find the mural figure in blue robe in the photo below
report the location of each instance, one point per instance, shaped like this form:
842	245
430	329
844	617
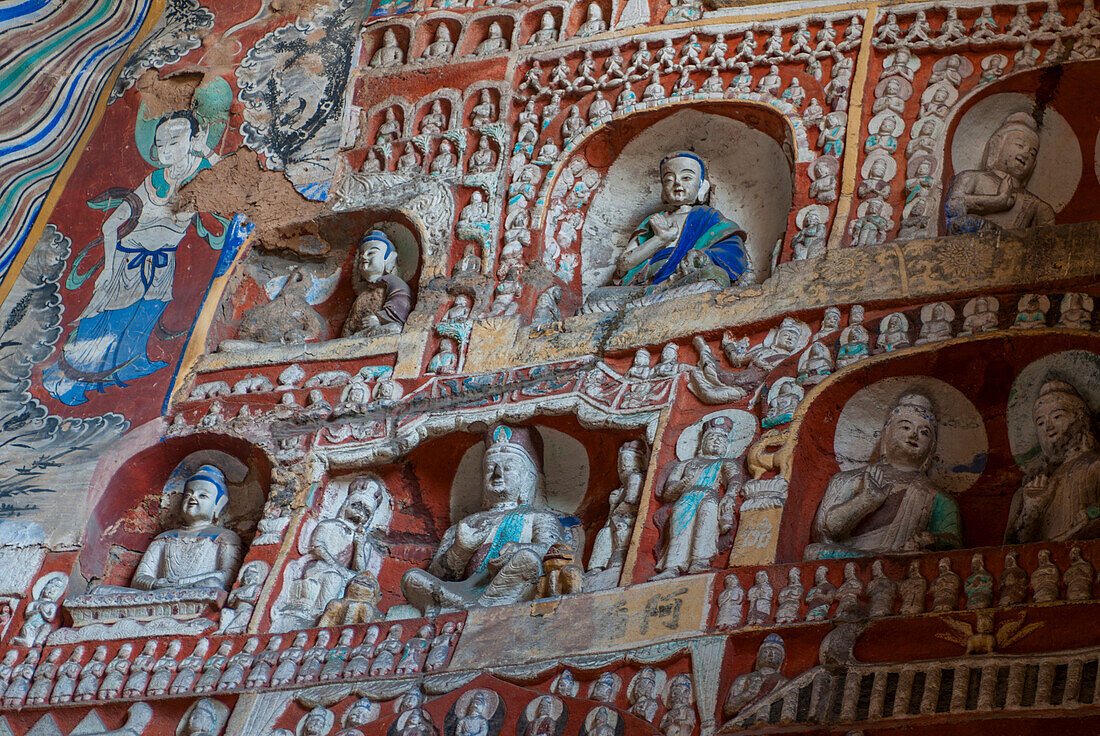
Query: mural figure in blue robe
688	239
140	237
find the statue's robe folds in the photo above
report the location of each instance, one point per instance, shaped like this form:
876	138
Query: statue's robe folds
691	533
1072	487
489	575
705	230
913	505
1026	211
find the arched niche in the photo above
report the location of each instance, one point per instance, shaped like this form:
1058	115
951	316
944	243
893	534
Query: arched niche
1066	171
425	34
978	370
749	153
325	250
141	499
439	482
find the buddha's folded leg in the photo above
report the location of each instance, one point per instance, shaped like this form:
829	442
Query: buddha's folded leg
517	580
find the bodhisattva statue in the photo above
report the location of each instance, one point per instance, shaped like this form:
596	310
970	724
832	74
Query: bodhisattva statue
996	195
384	300
688	239
494	556
1063	500
198	555
890	504
697	488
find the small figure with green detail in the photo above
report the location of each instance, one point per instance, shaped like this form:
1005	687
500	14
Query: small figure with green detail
889	505
688	240
493	557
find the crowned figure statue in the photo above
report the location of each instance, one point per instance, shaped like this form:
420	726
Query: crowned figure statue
494	556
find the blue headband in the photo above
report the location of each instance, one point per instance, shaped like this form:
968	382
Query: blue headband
379	236
686	154
213	475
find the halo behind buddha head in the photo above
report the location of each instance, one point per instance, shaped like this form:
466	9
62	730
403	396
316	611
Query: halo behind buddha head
961	446
1071	373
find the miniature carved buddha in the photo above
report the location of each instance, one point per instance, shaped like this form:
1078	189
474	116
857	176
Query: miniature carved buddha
996	196
547	32
687	236
384	300
890	504
441	47
389	54
1063	500
593	22
493	556
750	687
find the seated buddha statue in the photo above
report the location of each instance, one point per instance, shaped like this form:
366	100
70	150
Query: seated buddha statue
184	570
890	504
383	300
494	556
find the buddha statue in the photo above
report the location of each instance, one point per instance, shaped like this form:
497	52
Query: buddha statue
384	300
750	687
183	571
1062	500
199	554
996	195
688	237
494	556
890	504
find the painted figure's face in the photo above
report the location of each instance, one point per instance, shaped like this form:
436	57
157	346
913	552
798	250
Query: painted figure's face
509	477
907	440
173	141
770	657
200	501
1057	423
375	260
682	181
1017	154
713	442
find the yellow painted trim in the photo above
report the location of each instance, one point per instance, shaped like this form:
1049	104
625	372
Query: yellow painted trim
626	578
196	342
53	196
854	132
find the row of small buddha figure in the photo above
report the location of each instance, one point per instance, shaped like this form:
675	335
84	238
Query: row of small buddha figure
881	595
491	41
51	677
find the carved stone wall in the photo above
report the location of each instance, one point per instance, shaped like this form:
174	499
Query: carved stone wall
568	367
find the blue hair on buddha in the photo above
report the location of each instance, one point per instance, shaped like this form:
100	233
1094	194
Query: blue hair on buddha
381	237
211	474
686	154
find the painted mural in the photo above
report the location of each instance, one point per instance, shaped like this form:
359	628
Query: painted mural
436	368
131	265
78	43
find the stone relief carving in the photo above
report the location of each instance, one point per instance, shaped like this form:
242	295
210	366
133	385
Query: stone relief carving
919	515
484	560
184	572
996	196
